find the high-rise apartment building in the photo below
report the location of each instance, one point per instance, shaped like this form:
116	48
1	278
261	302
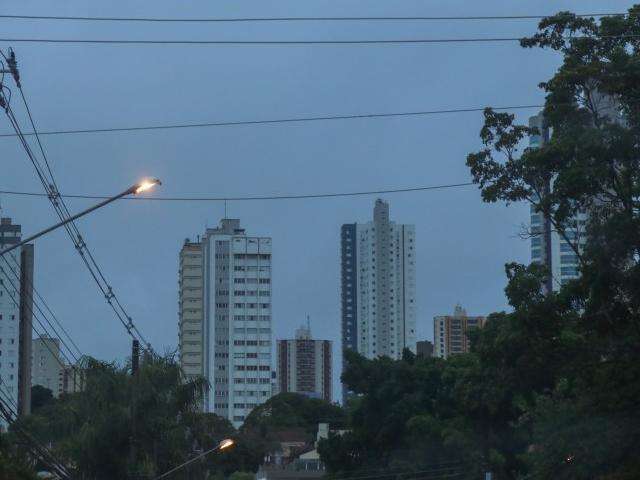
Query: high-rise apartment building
548	246
378	286
190	310
46	366
451	332
225	318
304	365
16	313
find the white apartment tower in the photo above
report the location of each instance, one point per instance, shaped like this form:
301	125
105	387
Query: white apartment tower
230	337
16	313
378	286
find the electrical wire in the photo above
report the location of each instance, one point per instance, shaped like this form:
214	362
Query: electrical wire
72	230
73	226
38	316
38	450
403	41
276	121
301	19
255	197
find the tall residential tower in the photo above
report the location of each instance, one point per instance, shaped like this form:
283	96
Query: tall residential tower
225	318
378	286
16	313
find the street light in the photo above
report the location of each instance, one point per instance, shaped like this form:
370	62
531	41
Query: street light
136	189
223	445
226	443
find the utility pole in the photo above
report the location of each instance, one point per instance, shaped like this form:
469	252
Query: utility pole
135	365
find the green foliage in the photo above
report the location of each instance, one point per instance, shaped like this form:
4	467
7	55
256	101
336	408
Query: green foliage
241	476
13	464
550	389
582	368
149	423
406	416
121	424
292	410
40	396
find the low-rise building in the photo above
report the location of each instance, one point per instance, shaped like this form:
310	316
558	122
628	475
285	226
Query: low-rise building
304	365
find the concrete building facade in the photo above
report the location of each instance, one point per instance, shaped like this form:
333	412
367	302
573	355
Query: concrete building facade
190	310
450	332
304	365
16	314
424	349
46	366
229	337
378	284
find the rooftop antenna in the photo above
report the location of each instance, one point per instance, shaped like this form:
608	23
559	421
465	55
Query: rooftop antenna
309	324
225	208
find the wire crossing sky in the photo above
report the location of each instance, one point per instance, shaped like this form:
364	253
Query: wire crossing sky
163	93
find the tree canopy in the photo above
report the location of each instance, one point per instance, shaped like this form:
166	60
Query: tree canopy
550	388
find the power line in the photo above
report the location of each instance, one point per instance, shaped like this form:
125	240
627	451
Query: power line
37	449
272	121
38	316
62	212
261	42
254	197
299	19
414	41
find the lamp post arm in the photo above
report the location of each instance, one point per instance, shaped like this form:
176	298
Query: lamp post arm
129	191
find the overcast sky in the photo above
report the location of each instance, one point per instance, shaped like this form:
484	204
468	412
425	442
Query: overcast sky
462	244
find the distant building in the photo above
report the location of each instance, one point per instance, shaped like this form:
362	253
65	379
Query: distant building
301	463
548	246
424	349
378	286
450	332
225	318
73	377
16	314
190	310
304	365
46	365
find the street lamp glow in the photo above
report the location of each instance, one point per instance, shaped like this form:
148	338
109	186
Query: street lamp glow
226	443
146	184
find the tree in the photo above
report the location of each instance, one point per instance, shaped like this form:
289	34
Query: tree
13	464
241	476
584	420
549	389
405	416
40	396
95	431
293	410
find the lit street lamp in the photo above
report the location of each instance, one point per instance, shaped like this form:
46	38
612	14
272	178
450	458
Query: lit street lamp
136	189
223	445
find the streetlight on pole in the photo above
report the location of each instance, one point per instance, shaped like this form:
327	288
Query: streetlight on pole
136	189
224	444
